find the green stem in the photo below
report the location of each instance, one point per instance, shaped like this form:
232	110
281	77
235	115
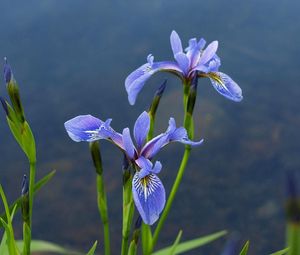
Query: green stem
171	196
293	238
102	206
128	210
27	237
188	124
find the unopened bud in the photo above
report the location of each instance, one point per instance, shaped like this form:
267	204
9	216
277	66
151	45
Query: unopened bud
7	71
156	99
96	156
13	92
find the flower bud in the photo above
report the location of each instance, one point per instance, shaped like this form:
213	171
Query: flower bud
96	156
156	99
13	92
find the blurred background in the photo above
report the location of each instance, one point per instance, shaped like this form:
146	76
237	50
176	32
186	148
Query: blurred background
72	57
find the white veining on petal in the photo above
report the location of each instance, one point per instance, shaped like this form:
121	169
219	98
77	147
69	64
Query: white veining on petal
146	186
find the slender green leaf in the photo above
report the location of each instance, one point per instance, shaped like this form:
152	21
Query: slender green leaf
281	252
172	252
192	244
37	187
293	238
44	246
92	250
244	251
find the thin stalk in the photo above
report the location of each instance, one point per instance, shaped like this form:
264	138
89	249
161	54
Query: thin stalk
27	234
128	210
188	124
102	206
101	194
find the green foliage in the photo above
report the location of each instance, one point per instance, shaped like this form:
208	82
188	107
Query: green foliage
281	252
245	249
22	133
9	231
192	244
37	186
43	246
92	250
173	249
293	238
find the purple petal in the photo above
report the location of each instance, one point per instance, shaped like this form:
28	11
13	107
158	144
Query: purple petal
183	62
147	166
175	43
127	143
141	129
208	53
157	167
149	197
136	80
152	147
226	86
179	134
214	64
84	128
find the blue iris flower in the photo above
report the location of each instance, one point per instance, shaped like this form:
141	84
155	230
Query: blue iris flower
148	190
195	59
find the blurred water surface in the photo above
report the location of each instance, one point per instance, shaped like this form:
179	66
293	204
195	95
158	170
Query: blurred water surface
72	57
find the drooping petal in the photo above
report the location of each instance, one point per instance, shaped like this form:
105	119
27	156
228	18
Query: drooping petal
179	134
141	129
84	128
107	131
136	80
175	43
183	62
149	197
208	53
226	86
127	143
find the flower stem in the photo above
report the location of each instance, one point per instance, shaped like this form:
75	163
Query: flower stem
101	194
27	234
188	124
171	196
128	210
102	206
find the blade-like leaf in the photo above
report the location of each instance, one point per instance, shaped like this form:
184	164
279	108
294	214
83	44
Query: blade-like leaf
244	251
172	252
192	244
92	250
44	246
281	252
37	187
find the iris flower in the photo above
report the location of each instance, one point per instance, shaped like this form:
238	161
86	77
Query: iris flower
148	190
195	59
